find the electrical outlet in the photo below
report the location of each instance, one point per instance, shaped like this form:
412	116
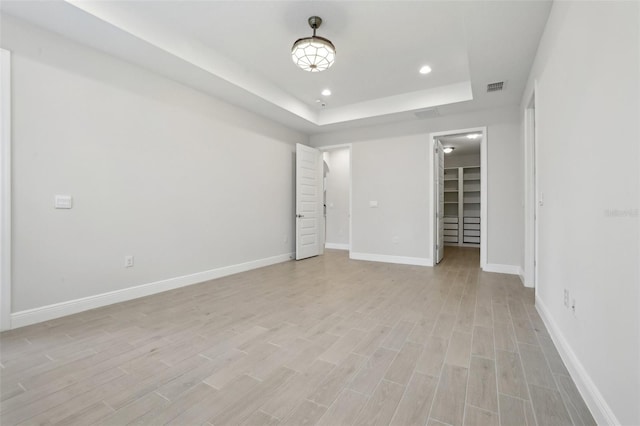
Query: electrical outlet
566	298
128	261
573	306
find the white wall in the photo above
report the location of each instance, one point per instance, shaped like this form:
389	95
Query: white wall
505	195
393	173
181	181
389	165
338	179
587	106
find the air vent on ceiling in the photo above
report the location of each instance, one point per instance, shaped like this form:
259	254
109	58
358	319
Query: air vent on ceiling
495	87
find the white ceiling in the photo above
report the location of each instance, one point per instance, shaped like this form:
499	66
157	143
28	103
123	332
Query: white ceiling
240	51
462	144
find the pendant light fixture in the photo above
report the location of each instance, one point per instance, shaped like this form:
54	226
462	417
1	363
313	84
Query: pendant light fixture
315	53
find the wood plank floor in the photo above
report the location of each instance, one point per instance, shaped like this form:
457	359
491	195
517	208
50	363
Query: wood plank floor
325	341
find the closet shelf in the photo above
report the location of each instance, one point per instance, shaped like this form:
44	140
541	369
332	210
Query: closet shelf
462	217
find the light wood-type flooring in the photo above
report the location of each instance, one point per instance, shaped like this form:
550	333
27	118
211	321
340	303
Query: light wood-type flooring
326	341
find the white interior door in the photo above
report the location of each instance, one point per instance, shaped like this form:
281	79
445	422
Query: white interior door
309	211
439	175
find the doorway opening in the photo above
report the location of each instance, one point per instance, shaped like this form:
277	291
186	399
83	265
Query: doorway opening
337	197
323	199
459	193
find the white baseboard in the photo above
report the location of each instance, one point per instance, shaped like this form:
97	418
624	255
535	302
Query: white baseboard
501	269
418	261
57	310
600	410
523	278
336	246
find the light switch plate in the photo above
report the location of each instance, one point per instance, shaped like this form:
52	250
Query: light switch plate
373	204
63	202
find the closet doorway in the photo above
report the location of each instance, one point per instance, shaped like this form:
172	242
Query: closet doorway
459	192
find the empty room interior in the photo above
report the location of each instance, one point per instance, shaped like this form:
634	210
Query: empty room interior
320	212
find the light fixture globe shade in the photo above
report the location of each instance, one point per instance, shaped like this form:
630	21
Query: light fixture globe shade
313	54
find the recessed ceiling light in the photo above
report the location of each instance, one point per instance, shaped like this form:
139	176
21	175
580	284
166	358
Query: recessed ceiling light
326	92
473	136
426	69
448	149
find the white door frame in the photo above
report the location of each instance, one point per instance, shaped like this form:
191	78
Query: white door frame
438	183
349	147
433	223
5	189
530	273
